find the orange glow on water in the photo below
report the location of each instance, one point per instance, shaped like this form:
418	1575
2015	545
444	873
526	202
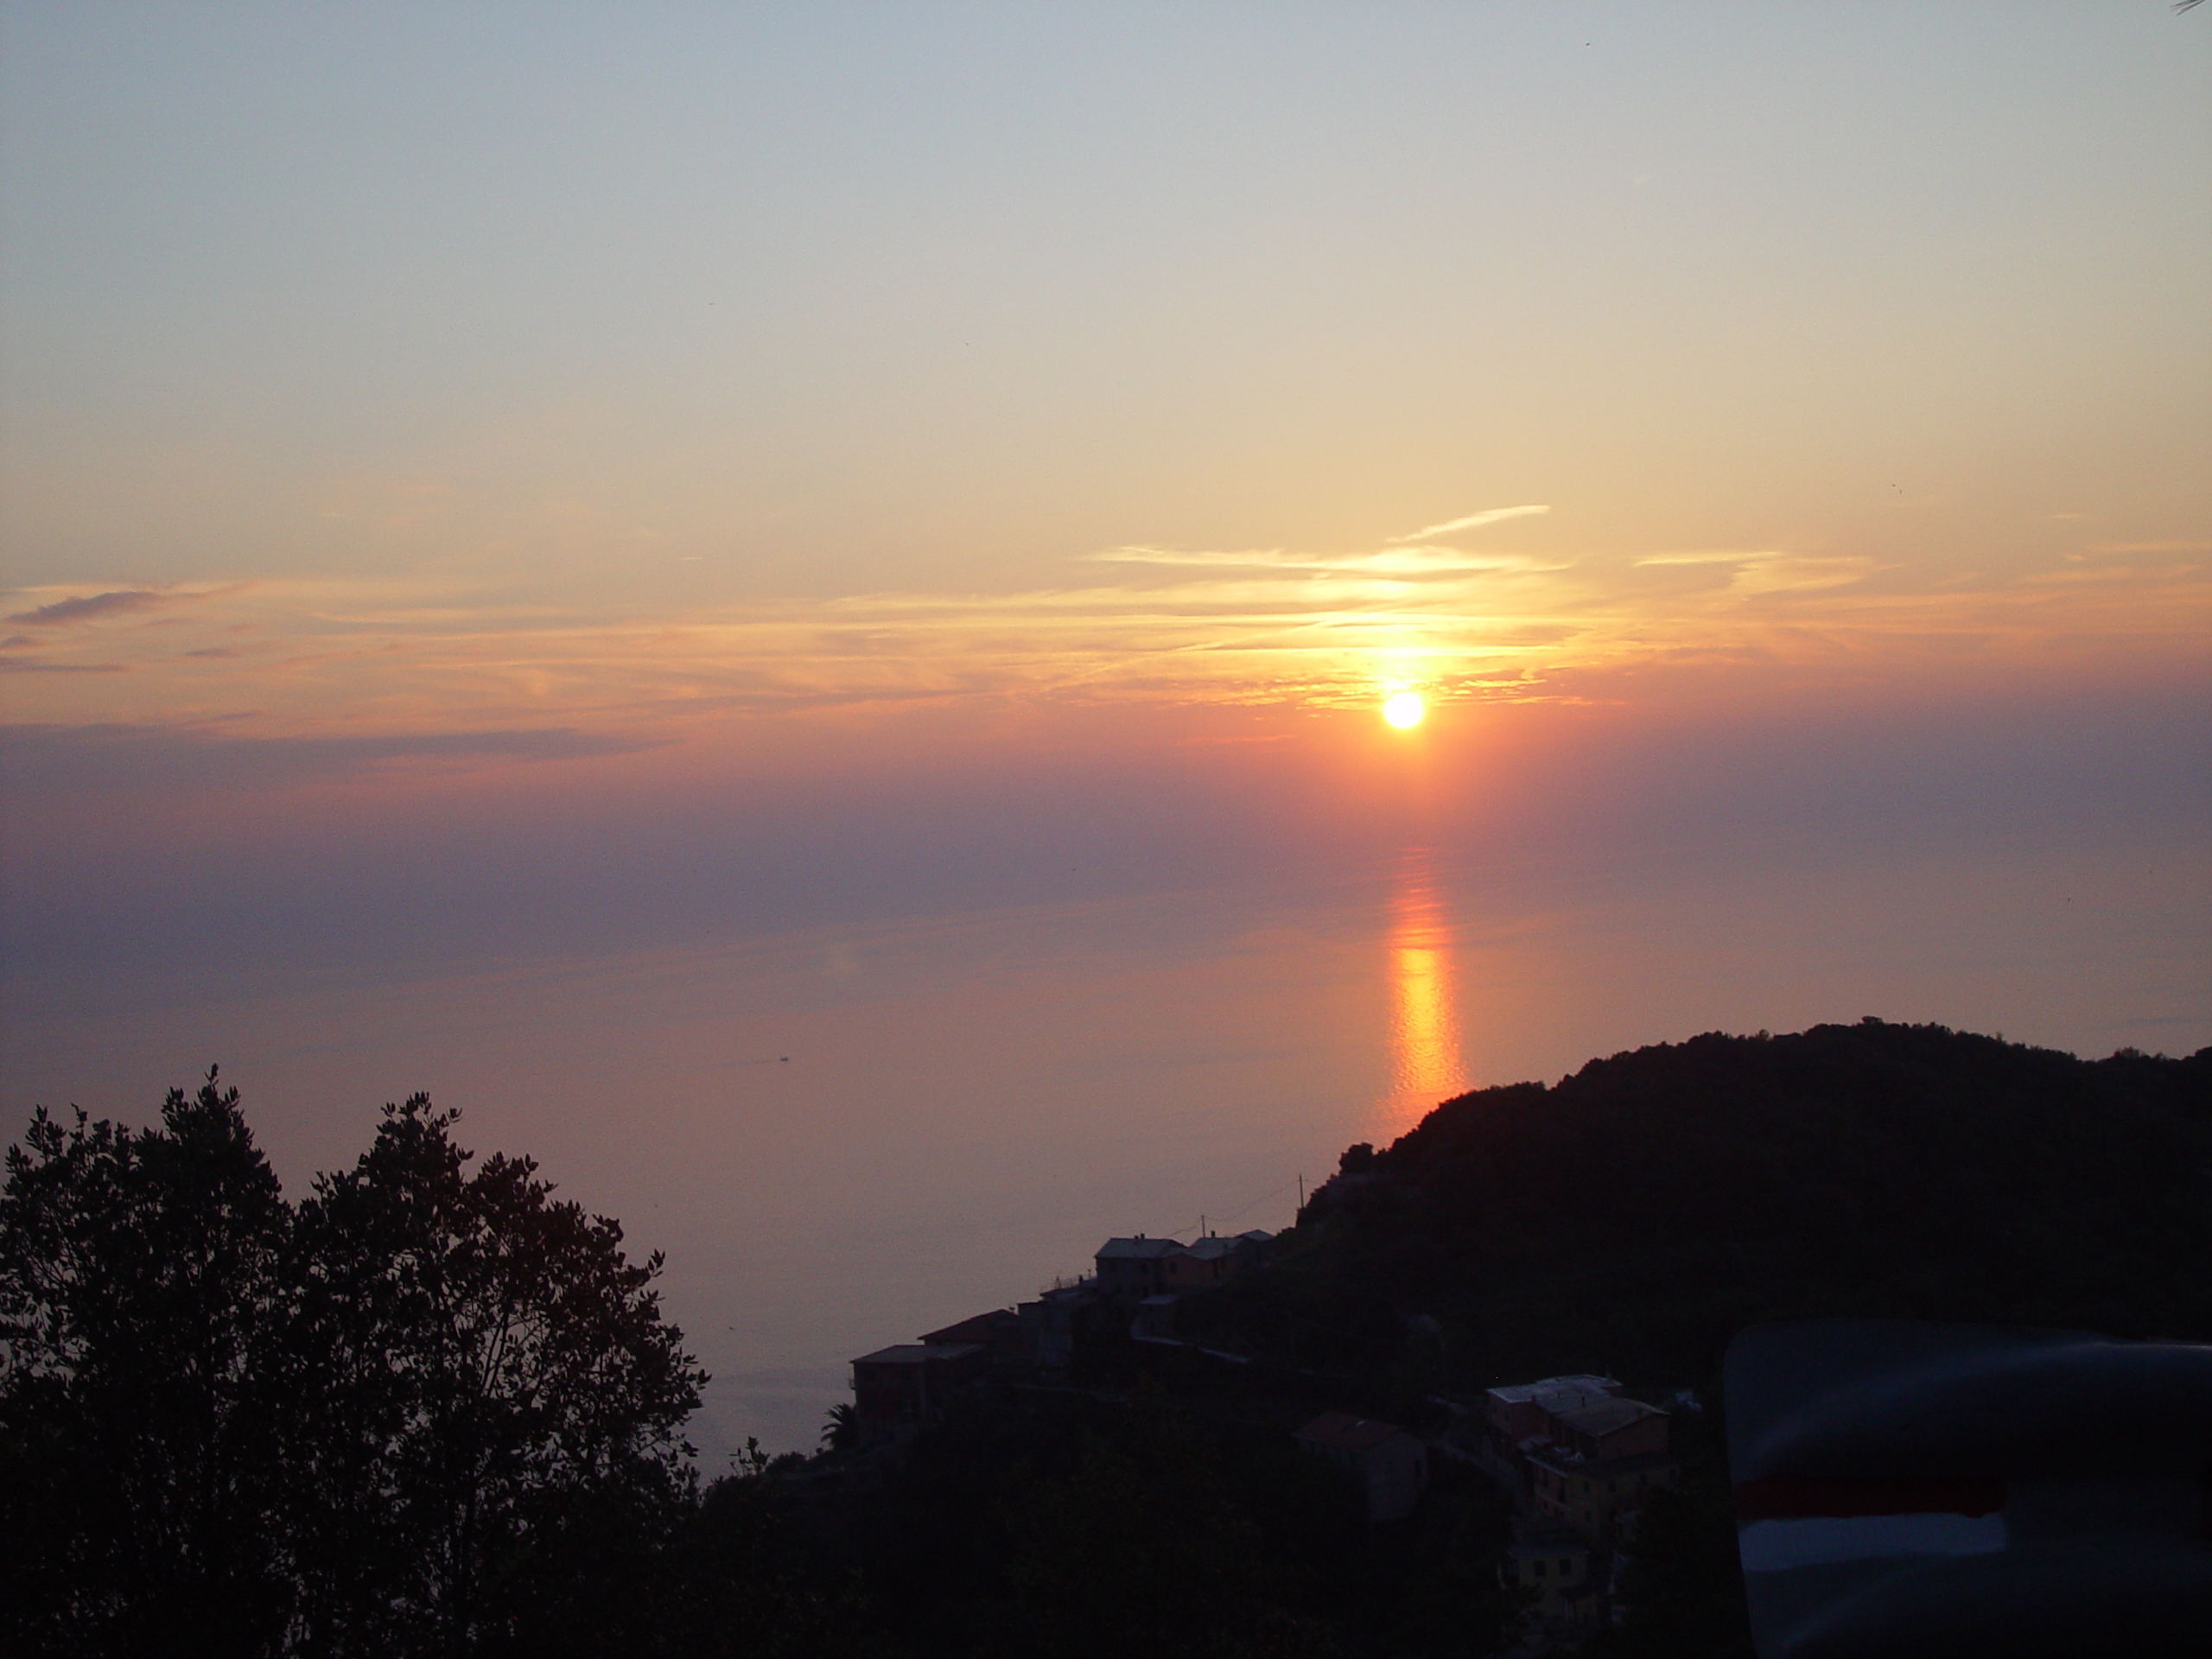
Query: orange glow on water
1424	1039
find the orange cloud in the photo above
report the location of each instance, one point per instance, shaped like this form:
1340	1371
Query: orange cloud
1237	626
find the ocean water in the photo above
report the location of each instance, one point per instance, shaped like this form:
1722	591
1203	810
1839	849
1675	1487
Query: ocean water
843	1137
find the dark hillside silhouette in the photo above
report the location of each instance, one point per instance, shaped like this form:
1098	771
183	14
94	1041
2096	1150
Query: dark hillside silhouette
1632	1217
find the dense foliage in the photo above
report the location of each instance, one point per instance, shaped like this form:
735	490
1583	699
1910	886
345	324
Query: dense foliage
141	1287
364	1424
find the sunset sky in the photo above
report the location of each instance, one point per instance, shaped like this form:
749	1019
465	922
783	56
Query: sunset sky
514	489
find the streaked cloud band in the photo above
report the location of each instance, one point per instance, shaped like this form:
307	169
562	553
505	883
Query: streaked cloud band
1472	521
327	657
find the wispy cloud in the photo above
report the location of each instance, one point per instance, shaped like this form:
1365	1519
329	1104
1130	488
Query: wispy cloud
155	754
1769	571
1802	573
1235	626
1216	556
1706	556
1394	560
84	609
1473	520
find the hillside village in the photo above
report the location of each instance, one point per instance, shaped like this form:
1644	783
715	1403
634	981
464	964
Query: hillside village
1572	1455
1426	1332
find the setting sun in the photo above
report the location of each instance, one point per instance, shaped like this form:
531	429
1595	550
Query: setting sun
1403	710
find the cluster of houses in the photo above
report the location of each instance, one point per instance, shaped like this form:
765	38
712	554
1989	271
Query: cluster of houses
1580	1459
1577	1457
896	1390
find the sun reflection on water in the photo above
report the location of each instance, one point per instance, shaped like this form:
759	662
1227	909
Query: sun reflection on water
1424	1045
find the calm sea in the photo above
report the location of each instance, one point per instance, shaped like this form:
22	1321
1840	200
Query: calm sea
844	1138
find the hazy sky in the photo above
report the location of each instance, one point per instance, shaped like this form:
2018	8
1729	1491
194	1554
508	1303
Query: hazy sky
471	467
561	554
412	368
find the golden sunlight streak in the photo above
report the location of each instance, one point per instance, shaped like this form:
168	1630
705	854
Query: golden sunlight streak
1423	1054
1403	710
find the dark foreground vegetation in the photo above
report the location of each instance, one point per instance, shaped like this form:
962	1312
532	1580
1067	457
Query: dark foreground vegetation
428	1409
389	1418
1634	1217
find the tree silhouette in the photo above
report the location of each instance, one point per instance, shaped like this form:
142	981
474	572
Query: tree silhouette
140	1300
364	1425
476	1356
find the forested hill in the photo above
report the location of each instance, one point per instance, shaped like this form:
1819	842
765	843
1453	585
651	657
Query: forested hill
1630	1218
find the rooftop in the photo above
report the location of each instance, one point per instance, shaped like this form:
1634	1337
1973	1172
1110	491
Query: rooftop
1605	1416
983	1328
1347	1432
1139	1249
1210	1248
1514	1394
918	1353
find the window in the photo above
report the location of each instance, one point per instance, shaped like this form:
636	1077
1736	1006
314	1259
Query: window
1541	1567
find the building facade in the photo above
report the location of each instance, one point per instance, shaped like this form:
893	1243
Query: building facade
1130	1269
1555	1567
1390	1466
898	1391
